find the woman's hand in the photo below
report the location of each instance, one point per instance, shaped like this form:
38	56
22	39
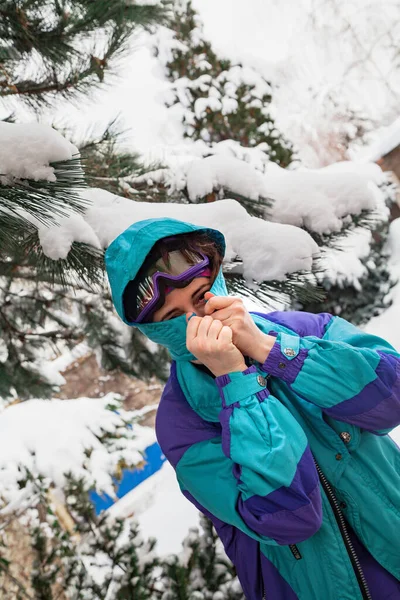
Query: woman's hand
211	342
246	336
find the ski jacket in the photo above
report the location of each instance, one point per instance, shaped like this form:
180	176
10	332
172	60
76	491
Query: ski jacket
290	459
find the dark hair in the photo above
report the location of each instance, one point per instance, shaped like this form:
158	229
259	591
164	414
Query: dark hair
196	240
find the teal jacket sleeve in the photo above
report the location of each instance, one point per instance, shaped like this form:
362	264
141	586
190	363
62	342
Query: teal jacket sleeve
259	474
352	375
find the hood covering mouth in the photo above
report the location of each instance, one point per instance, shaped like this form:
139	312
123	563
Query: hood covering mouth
124	257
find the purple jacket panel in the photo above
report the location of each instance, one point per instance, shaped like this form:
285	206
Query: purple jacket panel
276	587
303	323
178	426
255	571
375	407
295	508
243	551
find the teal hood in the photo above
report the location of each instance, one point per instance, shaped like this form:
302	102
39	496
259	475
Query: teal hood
124	257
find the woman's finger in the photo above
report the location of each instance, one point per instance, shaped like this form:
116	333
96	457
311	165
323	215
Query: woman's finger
223	315
215	329
218	302
225	335
204	326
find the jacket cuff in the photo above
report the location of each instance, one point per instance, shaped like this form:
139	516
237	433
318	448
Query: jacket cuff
285	359
239	385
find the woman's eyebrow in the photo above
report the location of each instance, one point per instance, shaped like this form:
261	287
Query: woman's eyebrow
193	295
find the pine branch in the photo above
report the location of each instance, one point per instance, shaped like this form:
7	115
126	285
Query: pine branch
83	267
366	219
295	287
60	41
44	200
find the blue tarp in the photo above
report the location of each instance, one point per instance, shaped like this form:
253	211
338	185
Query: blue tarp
131	478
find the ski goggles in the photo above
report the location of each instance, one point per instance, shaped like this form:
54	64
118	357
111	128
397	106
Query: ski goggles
175	270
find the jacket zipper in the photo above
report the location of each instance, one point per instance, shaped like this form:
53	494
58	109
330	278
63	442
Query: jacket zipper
343	530
347	541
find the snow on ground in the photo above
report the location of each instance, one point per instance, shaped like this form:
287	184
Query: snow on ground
161	510
51	438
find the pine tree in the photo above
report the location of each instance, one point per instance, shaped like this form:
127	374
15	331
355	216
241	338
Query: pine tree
359	298
221	103
202	570
76	555
60	38
70	553
220	100
59	43
64	559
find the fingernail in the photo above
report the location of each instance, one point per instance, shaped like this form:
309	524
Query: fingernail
192	315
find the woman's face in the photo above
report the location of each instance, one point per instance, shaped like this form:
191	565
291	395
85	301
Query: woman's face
183	300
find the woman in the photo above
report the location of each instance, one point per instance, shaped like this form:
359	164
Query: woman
276	423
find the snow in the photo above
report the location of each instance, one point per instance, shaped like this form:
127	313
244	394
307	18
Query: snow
319	200
317	82
296	247
160	509
26	150
369	170
222	89
281	248
50	438
67	358
215	172
56	240
387	325
342	265
293	45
